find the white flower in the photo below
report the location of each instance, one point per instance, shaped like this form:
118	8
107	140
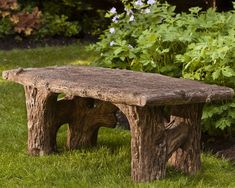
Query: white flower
132	18
112	30
115	19
111	43
139	3
128	11
113	10
151	2
147	11
130	46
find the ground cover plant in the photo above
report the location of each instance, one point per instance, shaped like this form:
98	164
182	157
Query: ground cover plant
198	45
107	165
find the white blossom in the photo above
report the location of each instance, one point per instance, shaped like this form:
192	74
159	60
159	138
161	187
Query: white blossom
128	11
115	19
147	11
113	10
139	3
111	43
151	2
130	46
112	30
132	18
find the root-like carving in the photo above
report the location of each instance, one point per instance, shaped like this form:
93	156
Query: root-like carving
45	116
183	137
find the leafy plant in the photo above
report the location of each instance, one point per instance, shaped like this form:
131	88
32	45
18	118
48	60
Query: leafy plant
57	25
15	20
27	22
88	18
5	27
198	45
61	17
212	59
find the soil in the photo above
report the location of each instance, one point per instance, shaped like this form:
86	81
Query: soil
220	146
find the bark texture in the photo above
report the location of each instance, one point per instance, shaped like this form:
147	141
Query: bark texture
187	156
45	116
119	86
87	116
148	142
41	115
153	141
88	105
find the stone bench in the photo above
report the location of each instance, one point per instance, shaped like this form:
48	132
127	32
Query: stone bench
92	97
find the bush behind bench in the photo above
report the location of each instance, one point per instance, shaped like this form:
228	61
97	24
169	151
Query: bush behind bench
199	45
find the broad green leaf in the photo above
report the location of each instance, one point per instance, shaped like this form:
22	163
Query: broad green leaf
232	104
216	74
108	15
232	114
122	58
210	111
223	123
118	51
195	10
228	72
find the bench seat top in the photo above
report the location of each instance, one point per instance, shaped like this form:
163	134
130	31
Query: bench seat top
119	86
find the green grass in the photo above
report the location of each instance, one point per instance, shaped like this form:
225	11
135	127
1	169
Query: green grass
107	165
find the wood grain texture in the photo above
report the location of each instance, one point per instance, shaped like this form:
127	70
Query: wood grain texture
148	142
93	95
186	157
41	116
119	86
154	141
86	117
46	114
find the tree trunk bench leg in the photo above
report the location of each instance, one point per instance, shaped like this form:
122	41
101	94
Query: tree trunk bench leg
187	156
87	117
40	106
148	142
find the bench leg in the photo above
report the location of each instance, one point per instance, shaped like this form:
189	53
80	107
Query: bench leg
87	117
187	157
40	106
148	142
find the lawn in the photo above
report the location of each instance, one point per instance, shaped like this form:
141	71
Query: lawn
107	165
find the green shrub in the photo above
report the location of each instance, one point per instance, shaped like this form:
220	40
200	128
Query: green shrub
52	25
89	18
17	21
6	27
49	18
197	45
77	17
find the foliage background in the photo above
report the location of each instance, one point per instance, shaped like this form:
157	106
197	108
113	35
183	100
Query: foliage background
198	45
52	18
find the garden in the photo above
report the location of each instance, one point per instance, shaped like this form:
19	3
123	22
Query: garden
191	42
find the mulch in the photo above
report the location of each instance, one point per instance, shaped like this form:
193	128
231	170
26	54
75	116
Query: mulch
222	147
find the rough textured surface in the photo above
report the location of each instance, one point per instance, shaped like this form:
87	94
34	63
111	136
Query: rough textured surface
46	114
86	117
41	115
92	97
187	155
119	86
155	141
148	142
